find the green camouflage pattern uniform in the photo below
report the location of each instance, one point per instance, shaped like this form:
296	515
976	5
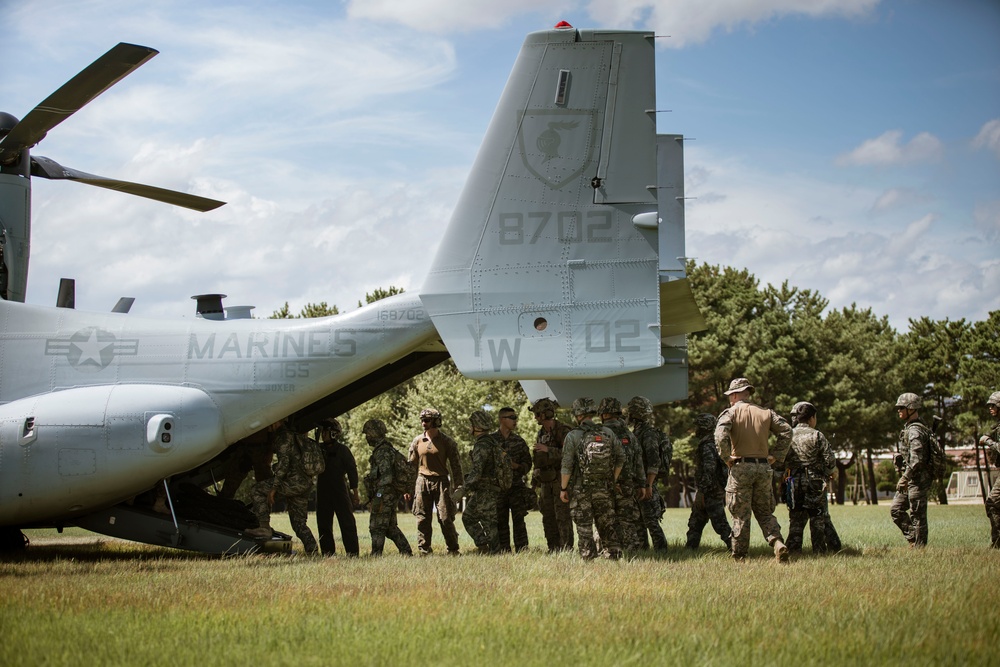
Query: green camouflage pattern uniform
909	505
992	442
290	481
519	499
592	504
556	519
810	462
648	438
748	489
482	493
710	476
628	515
382	521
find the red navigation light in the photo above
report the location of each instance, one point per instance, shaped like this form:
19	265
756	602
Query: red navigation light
563	25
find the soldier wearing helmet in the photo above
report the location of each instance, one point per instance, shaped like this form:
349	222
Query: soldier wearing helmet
991	443
546	456
382	494
334	497
710	475
742	437
653	444
518	500
592	462
435	452
909	505
809	464
631	485
482	484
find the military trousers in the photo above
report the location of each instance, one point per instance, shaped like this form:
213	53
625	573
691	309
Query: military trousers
748	491
628	518
993	511
382	523
333	498
595	508
909	513
479	519
708	506
557	521
297	504
510	513
433	492
810	507
652	512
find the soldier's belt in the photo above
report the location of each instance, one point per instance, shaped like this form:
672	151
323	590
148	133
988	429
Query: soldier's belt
749	459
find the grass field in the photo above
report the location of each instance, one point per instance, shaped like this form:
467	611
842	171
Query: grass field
877	602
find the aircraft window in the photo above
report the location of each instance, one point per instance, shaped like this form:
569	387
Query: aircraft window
29	426
540	324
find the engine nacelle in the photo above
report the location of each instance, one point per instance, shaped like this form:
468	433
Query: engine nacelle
73	451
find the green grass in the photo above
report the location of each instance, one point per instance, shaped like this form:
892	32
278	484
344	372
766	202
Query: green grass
878	602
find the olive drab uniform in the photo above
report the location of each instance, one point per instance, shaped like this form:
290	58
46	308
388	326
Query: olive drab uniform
384	497
909	505
628	515
647	437
519	499
992	443
482	491
291	481
809	464
591	495
557	521
710	475
433	490
742	432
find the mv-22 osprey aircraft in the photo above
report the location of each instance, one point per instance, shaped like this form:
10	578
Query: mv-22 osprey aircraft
562	267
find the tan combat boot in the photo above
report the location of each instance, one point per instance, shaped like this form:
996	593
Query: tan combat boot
262	532
780	551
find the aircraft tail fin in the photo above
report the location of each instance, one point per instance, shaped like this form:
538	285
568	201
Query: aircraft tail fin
571	218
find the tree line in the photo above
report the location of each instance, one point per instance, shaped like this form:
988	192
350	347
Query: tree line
849	362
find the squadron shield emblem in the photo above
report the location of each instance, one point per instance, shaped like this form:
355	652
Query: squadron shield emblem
556	145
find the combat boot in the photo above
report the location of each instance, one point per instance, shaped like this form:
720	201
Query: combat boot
780	551
262	532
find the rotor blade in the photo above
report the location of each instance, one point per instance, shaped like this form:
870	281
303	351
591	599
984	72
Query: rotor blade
44	167
93	80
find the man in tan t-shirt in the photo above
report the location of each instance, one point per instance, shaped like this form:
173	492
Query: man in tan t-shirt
742	437
433	450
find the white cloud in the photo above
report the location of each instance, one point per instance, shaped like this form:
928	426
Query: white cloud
887	149
897	198
988	137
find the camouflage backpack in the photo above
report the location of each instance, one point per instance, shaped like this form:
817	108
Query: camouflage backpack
596	457
404	473
313	461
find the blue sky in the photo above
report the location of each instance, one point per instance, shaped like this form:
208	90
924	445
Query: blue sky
851	147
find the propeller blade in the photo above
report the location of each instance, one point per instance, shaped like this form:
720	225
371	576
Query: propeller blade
93	80
124	304
67	293
44	167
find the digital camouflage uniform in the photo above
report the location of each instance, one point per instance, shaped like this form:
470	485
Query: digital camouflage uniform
519	499
592	501
742	431
556	520
384	499
628	515
809	463
909	505
482	490
435	455
992	444
710	475
289	480
648	438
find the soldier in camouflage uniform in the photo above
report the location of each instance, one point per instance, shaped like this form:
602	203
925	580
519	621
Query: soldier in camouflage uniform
810	462
710	476
647	436
383	496
909	505
591	496
547	454
742	437
291	481
481	486
519	499
434	451
991	443
632	481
